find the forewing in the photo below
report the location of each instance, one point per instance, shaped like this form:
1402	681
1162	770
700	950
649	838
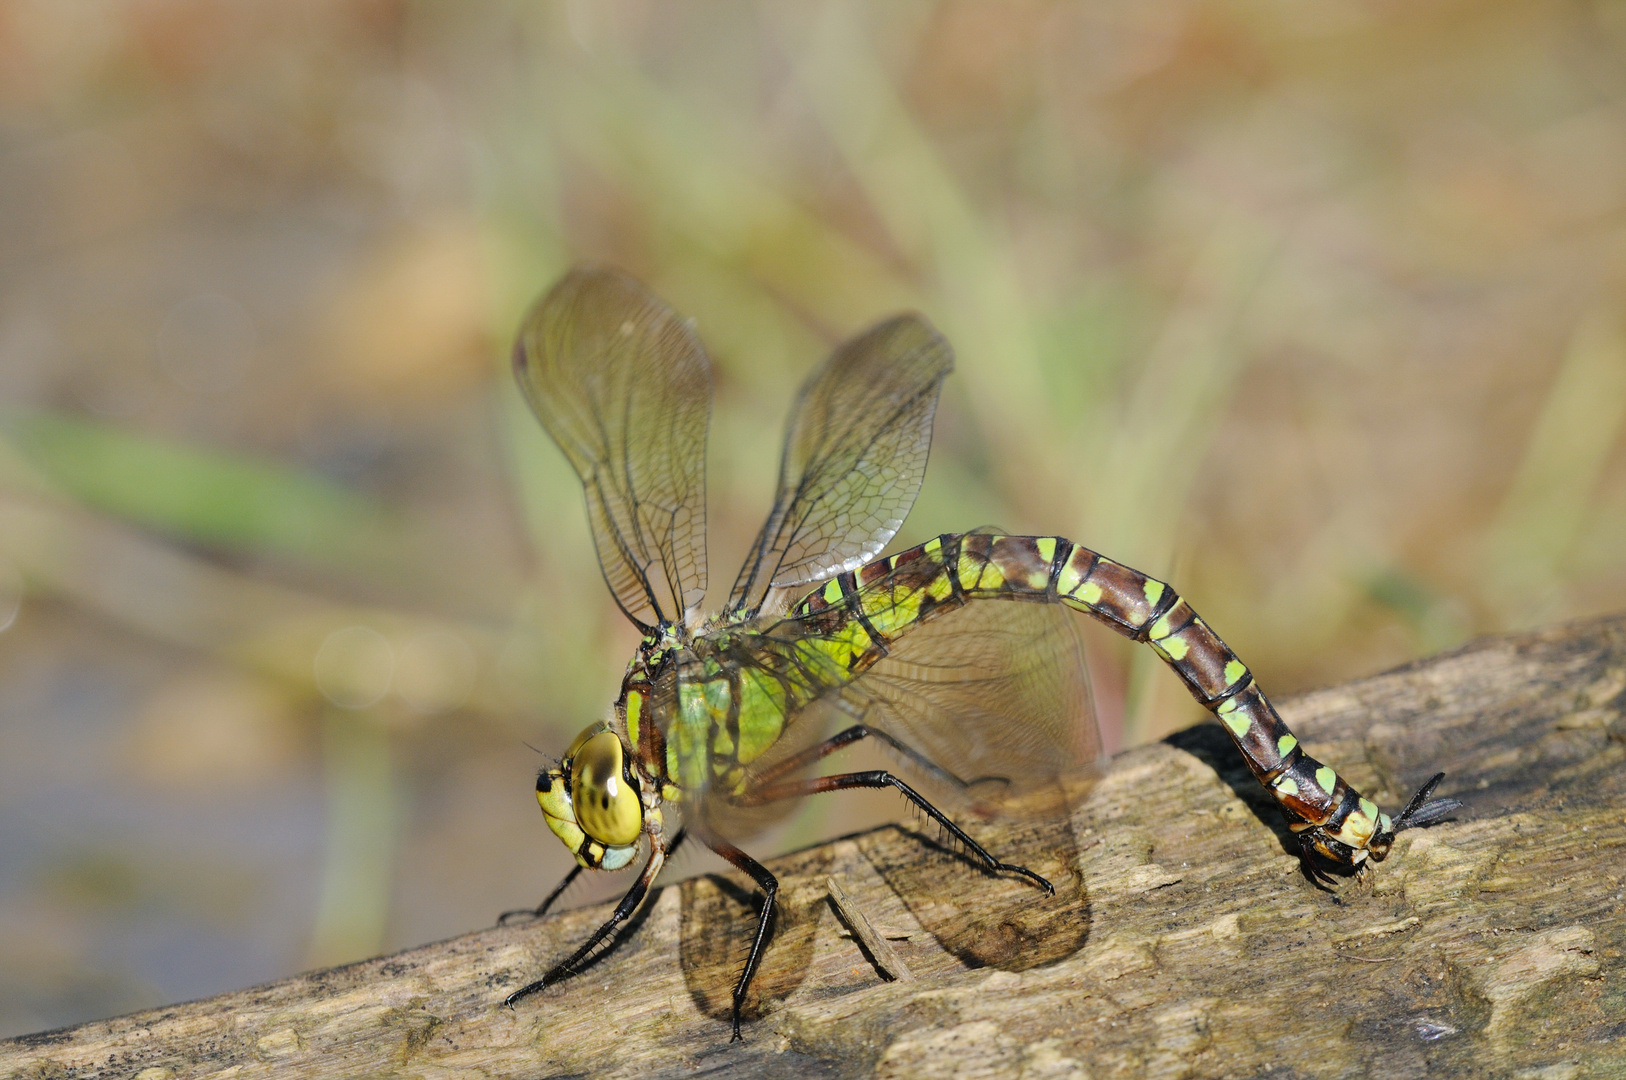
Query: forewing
855	454
624	388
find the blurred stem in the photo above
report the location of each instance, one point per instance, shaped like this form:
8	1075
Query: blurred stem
1151	455
208	495
157	589
1546	506
362	818
713	194
957	246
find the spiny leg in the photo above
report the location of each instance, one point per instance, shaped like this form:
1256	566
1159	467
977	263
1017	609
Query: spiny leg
559	889
1312	865
843	739
770	890
628	907
880	778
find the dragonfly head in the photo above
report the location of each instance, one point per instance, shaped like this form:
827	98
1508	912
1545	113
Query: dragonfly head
591	801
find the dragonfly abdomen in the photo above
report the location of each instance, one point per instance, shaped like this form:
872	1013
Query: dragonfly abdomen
863	611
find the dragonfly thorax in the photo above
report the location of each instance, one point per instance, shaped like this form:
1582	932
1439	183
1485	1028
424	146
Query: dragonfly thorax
657	647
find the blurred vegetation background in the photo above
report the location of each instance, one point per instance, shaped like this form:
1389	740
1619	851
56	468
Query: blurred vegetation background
1315	310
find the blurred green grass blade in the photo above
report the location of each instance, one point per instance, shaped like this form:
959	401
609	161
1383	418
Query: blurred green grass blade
363	826
957	245
1546	508
203	495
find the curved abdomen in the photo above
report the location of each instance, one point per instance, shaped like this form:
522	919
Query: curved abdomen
870	607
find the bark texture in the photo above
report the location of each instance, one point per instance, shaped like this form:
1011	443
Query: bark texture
1183	941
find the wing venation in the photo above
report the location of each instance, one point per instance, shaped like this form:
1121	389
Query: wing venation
624	388
854	457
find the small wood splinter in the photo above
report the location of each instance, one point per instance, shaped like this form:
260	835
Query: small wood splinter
886	959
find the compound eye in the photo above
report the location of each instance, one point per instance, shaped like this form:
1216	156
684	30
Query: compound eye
607	806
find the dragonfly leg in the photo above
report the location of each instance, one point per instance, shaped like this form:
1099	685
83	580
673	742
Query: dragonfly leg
547	902
770	890
558	890
880	778
838	741
625	910
843	739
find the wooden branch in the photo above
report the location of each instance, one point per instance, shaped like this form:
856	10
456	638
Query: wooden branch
1490	945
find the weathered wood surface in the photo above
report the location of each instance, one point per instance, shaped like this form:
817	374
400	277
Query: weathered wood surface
1488	946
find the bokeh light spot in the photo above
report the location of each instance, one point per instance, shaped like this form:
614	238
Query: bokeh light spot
354	667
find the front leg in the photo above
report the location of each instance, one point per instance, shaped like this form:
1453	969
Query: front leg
583	956
547	901
558	890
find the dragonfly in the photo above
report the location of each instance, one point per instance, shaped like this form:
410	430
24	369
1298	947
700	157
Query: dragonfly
957	656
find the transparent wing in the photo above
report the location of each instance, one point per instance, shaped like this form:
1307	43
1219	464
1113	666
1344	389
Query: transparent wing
987	703
855	454
624	388
996	694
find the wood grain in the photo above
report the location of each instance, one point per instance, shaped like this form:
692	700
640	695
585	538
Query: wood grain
1183	941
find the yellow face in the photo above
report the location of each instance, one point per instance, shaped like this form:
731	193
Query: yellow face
591	801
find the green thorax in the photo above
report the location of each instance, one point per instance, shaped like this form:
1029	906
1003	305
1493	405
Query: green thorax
699	710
